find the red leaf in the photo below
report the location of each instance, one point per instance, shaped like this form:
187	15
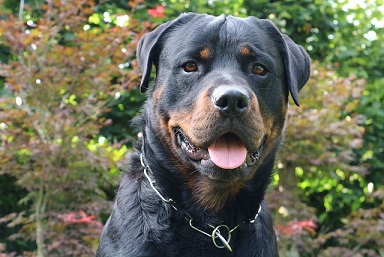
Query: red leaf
80	217
297	227
157	12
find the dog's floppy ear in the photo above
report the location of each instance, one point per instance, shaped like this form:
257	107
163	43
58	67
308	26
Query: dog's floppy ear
147	50
149	47
297	67
296	61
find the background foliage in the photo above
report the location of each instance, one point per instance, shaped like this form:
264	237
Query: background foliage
68	79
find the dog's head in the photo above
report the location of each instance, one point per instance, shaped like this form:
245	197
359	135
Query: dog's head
220	97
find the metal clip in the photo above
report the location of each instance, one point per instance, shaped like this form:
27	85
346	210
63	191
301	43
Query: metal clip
217	234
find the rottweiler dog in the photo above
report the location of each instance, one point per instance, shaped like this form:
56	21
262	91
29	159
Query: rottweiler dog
211	126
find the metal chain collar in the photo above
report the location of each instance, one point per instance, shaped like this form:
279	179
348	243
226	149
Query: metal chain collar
218	232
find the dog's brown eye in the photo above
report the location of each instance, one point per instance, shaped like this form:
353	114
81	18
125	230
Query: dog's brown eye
259	69
190	67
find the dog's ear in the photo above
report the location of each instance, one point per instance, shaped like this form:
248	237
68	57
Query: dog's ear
147	50
296	60
149	47
297	66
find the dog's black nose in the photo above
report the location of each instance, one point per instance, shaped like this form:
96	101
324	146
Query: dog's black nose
231	101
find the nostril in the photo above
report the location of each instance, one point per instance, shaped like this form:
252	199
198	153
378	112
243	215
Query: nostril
222	102
242	104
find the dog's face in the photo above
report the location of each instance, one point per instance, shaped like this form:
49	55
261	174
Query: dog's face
220	97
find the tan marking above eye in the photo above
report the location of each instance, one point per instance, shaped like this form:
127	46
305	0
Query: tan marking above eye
245	51
205	53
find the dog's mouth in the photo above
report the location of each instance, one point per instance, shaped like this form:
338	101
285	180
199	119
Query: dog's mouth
227	152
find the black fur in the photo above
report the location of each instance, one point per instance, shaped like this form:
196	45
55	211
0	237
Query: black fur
141	224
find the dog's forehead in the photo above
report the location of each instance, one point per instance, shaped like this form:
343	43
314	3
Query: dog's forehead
220	32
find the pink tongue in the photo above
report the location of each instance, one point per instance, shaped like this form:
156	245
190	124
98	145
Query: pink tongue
228	152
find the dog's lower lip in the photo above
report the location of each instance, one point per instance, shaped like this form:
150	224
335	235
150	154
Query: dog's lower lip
193	152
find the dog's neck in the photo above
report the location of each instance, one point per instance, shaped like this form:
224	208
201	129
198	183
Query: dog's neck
221	234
